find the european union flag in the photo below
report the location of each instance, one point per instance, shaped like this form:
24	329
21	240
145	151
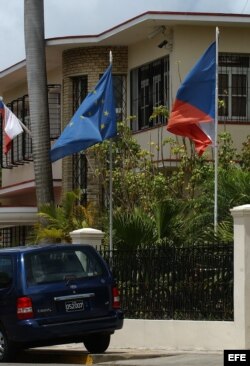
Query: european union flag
93	122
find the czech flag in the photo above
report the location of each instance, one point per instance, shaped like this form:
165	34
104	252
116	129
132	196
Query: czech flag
193	112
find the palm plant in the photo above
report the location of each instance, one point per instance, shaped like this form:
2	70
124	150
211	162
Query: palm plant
233	190
168	215
61	220
223	233
133	230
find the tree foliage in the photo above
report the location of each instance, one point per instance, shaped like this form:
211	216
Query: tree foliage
137	182
153	205
61	220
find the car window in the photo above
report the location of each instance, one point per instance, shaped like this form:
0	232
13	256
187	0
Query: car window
54	265
6	271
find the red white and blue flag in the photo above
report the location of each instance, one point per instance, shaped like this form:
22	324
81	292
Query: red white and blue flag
193	112
11	126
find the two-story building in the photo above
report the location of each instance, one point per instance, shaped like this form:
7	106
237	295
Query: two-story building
151	55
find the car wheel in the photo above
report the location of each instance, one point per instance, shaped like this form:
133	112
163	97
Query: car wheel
5	348
97	343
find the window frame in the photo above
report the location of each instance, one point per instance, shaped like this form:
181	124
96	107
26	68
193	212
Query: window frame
233	66
21	150
149	88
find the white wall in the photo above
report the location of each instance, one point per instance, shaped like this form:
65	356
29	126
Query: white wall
178	335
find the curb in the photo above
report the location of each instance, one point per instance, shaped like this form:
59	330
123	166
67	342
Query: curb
82	357
56	356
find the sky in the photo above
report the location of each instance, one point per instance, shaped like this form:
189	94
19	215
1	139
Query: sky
84	17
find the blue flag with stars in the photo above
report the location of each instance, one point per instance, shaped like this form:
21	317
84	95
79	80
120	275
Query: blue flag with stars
93	122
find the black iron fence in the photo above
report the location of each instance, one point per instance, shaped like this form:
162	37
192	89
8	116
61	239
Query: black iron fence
193	283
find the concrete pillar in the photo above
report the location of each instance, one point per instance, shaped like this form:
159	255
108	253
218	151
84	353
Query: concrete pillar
241	216
88	236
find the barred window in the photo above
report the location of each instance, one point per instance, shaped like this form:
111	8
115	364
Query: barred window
54	100
21	150
79	87
149	88
79	170
15	236
119	85
233	91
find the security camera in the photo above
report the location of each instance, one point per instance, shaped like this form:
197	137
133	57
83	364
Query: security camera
163	43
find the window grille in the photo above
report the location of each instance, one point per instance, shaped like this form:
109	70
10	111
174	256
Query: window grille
54	100
149	89
21	151
80	175
79	170
14	236
80	87
233	90
26	136
119	85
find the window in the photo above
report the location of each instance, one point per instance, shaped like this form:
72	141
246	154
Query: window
149	88
234	78
80	88
79	175
6	271
79	170
119	86
60	265
21	150
54	100
15	236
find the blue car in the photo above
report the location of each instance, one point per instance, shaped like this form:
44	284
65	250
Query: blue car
55	294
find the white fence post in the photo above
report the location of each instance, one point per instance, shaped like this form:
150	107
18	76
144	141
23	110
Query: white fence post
88	236
241	216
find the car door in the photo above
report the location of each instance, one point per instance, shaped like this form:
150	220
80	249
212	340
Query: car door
7	293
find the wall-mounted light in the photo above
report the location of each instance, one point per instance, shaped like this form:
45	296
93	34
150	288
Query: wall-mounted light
167	32
163	43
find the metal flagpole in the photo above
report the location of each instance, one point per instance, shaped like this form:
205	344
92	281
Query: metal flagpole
216	135
25	128
110	199
110	186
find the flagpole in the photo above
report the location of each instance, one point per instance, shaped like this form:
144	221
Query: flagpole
25	128
216	135
110	199
110	186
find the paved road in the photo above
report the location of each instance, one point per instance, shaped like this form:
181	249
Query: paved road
130	357
173	360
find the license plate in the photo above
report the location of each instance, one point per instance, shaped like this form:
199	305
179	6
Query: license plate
74	305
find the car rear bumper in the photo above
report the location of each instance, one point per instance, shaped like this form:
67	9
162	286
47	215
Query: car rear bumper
32	331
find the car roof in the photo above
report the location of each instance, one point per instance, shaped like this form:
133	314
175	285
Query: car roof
32	248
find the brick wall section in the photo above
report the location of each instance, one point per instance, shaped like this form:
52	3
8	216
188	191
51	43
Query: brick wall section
90	61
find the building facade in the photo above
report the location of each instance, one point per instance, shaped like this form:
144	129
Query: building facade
152	53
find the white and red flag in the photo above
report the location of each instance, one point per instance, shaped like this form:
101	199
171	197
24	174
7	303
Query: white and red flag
11	126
